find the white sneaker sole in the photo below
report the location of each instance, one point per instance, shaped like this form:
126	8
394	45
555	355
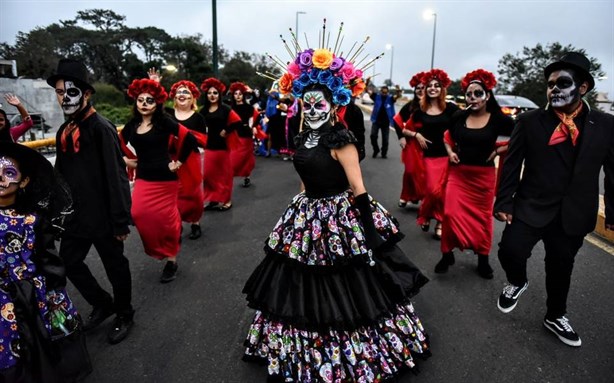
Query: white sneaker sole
568	342
507	310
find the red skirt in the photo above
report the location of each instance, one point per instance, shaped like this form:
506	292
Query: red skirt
468	221
191	196
413	175
242	158
217	176
435	169
156	217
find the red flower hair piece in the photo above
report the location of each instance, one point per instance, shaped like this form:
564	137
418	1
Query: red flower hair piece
481	76
439	75
417	79
186	84
237	86
145	85
213	82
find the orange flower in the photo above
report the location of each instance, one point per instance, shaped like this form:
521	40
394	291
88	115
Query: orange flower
358	87
285	83
322	58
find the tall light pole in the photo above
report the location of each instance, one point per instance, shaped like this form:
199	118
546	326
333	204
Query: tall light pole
391	48
296	30
427	15
214	42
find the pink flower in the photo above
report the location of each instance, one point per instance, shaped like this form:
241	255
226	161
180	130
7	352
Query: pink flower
347	71
294	69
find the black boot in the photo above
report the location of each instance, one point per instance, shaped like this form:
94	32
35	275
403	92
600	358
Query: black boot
195	231
169	273
484	268
447	260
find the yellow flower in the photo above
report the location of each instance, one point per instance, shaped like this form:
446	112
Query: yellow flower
322	58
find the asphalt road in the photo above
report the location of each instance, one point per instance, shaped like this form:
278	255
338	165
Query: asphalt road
192	329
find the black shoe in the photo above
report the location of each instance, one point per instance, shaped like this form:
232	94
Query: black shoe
509	297
120	328
484	269
96	317
195	231
213	206
425	228
246	182
447	260
563	330
402	203
384	155
375	153
169	273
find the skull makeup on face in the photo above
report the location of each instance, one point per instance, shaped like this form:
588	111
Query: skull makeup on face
69	96
562	89
316	109
9	172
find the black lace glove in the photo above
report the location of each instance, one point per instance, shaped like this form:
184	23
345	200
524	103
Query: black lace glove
373	239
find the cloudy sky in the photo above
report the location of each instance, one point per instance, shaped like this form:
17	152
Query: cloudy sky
470	34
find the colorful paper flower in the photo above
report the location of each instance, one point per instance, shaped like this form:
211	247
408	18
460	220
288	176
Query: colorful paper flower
322	58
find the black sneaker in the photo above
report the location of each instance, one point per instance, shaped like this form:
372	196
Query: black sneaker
169	273
509	297
563	330
120	328
195	231
96	317
246	182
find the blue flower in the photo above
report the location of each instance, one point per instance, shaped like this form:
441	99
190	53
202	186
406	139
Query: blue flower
335	83
324	77
342	96
297	88
313	75
303	79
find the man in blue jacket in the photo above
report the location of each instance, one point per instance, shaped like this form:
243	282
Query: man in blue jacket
381	118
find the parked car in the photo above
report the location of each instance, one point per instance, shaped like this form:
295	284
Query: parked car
514	105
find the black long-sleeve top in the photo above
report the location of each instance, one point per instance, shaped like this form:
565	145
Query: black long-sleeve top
245	111
474	146
433	128
97	178
216	122
152	148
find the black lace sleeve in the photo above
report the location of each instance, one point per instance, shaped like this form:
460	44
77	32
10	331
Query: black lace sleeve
338	136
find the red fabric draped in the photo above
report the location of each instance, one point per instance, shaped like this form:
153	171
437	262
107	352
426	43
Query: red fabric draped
413	188
128	153
156	217
217	176
436	169
469	198
242	158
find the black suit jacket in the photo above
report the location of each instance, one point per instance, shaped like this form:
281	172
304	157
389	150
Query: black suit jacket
552	181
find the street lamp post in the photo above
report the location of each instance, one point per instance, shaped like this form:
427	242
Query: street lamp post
427	15
391	48
296	30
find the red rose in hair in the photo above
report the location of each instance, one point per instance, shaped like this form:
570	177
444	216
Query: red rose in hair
439	75
186	84
237	86
213	82
417	79
481	76
145	85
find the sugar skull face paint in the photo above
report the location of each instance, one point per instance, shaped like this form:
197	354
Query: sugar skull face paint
146	104
70	97
316	109
9	172
562	89
476	97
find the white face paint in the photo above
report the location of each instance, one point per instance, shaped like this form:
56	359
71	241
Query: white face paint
562	89
69	96
476	97
316	109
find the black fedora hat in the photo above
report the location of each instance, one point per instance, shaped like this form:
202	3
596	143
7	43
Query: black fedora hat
576	61
73	70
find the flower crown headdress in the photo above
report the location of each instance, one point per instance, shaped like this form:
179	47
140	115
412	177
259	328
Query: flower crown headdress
237	86
481	76
186	84
417	79
340	73
145	85
213	82
439	75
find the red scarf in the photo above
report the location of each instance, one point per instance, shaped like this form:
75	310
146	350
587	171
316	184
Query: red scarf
566	128
72	130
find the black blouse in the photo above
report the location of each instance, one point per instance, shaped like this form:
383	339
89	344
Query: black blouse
216	122
245	111
433	128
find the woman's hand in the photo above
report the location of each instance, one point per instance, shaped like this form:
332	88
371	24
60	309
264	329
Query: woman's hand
453	158
154	74
131	164
173	166
423	142
223	133
402	142
12	99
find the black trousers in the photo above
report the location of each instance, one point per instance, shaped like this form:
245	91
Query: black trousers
384	128
73	251
515	248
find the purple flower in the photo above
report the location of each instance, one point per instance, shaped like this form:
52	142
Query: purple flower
304	59
337	64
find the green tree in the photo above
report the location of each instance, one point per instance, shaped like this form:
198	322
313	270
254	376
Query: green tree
523	74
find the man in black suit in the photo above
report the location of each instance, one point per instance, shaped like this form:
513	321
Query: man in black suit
563	147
